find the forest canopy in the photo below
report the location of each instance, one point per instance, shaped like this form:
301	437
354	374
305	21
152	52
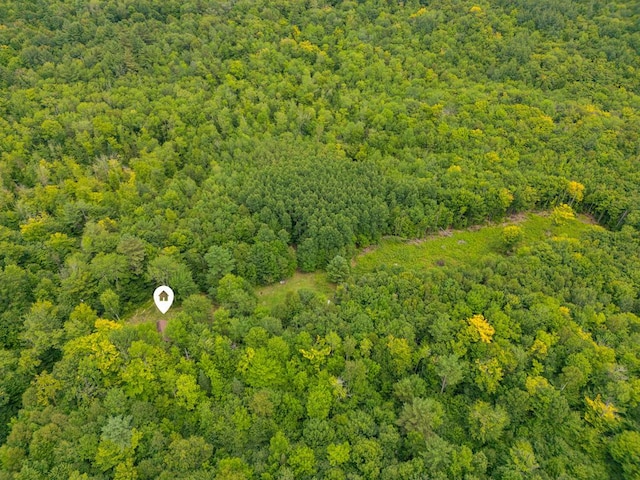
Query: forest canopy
221	146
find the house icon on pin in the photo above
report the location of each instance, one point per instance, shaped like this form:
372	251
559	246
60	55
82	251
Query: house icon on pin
163	298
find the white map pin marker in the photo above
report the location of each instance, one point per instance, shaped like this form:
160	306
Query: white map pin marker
163	296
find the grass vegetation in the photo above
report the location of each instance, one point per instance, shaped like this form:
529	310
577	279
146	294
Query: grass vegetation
452	247
275	294
150	313
465	246
219	147
268	296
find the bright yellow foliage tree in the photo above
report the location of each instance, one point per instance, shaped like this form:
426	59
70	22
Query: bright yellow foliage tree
576	191
599	412
317	355
562	213
482	328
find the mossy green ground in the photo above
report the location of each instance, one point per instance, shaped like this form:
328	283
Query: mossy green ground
465	246
272	295
451	248
268	296
149	312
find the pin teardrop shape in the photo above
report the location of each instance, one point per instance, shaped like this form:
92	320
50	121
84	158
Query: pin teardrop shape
163	297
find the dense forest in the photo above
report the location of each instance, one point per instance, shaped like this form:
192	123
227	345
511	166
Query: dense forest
218	146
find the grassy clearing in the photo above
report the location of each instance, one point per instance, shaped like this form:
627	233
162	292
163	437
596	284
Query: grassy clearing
465	246
275	294
268	296
451	248
148	312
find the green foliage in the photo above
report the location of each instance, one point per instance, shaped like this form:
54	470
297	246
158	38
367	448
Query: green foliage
450	370
219	146
511	236
167	270
347	389
235	294
275	295
111	303
198	308
338	269
233	469
487	423
302	461
338	454
562	213
319	402
625	448
523	457
186	455
220	262
423	416
463	247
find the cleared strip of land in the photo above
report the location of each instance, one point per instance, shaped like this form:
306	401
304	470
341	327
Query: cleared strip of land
456	247
451	247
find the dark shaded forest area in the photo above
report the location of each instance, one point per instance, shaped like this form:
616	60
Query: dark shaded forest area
218	146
